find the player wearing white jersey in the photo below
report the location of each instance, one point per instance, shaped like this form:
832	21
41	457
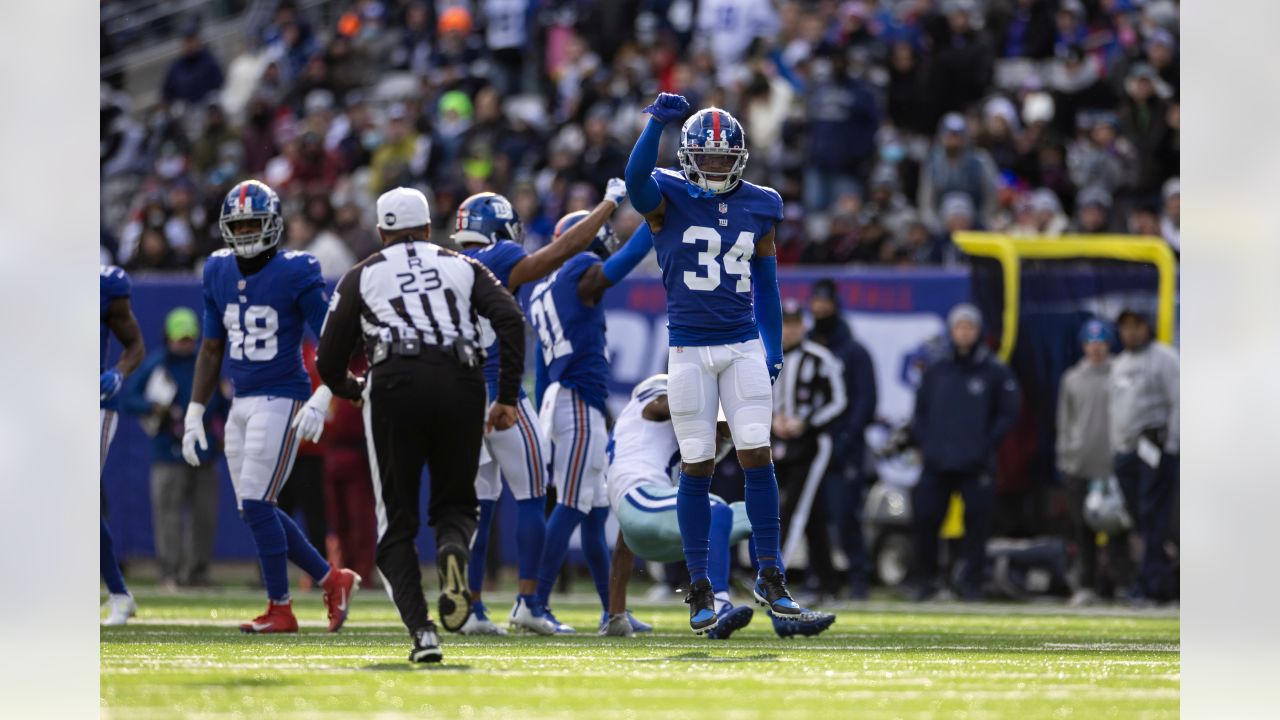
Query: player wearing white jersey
642	479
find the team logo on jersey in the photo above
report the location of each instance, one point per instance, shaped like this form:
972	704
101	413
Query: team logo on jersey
241	284
976	386
724	207
389	219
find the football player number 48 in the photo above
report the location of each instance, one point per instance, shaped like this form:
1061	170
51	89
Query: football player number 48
736	261
255	338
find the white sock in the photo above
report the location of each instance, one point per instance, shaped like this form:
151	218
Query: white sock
722	601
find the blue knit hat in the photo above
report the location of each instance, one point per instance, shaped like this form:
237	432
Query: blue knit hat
1095	331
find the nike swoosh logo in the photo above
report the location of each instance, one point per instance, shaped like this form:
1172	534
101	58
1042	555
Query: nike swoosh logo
342	606
259	627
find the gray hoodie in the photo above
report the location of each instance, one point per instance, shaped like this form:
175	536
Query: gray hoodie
1084	426
1144	396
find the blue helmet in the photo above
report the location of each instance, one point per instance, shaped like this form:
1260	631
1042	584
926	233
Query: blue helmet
603	244
713	150
252	201
485	218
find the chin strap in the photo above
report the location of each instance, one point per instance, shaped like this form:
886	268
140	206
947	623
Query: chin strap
697	192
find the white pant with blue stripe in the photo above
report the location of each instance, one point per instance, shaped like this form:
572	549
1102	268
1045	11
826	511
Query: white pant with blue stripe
517	455
578	439
261	446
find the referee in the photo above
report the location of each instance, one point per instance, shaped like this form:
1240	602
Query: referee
416	306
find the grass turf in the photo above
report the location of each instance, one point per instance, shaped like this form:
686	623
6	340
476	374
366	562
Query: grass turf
182	656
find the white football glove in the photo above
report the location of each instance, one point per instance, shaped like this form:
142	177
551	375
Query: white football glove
193	434
615	190
310	419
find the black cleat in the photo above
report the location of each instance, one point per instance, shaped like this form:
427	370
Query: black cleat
455	598
702	606
771	592
426	645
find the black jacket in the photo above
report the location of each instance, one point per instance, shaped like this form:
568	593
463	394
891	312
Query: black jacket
860	386
964	407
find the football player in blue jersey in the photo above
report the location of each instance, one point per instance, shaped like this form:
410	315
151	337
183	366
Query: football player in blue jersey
569	321
115	317
714	235
257	300
488	229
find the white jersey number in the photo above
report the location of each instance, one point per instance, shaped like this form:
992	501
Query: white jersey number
255	338
736	261
545	319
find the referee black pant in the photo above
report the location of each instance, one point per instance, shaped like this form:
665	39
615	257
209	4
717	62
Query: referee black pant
422	410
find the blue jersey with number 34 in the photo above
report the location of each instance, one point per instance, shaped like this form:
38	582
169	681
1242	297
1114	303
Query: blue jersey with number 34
705	250
262	317
570	333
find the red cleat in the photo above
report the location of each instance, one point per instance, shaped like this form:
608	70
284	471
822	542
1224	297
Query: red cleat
277	619
339	586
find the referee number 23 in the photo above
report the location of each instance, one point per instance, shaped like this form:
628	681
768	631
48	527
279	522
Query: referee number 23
736	259
254	338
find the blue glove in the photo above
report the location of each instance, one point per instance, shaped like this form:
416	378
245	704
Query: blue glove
109	384
668	107
775	369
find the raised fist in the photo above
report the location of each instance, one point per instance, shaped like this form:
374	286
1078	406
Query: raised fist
668	107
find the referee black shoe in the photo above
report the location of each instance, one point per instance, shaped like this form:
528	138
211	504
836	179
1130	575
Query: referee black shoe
455	598
426	645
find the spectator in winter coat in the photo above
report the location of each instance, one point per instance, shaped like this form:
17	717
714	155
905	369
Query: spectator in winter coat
953	165
1093	211
966	404
843	120
1145	412
194	75
1084	446
158	394
845	483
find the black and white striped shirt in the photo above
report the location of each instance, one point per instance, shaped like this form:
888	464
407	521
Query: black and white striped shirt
811	387
415	288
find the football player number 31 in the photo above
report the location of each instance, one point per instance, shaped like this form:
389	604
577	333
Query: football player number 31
545	319
736	261
255	339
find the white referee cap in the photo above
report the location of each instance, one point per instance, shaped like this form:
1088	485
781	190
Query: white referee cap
403	208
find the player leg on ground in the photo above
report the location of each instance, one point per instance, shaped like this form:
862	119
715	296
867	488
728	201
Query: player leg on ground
120	604
261	446
579	436
516	456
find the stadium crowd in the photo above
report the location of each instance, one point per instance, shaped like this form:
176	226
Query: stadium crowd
885	125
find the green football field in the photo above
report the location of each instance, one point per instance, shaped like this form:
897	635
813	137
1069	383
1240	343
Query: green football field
182	656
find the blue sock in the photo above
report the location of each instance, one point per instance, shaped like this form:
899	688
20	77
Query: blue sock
762	510
693	512
564	520
301	551
596	547
718	559
108	566
531	532
273	547
480	546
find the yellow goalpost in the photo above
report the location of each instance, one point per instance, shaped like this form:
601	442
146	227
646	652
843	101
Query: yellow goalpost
1009	251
